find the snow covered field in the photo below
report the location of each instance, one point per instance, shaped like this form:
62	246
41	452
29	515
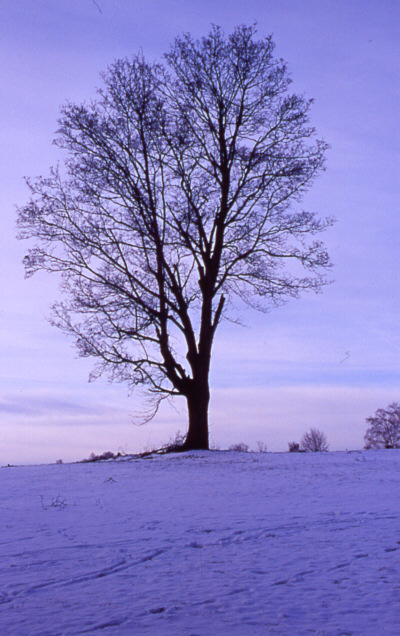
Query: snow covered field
203	544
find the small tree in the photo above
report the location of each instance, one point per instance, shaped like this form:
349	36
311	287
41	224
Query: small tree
314	441
176	202
384	429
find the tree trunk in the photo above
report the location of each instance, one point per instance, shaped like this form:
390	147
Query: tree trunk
197	436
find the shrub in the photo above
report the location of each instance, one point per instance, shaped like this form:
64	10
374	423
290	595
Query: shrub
294	447
175	445
240	448
384	429
314	441
97	458
261	447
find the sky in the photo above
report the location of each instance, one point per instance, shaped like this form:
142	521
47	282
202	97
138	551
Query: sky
326	361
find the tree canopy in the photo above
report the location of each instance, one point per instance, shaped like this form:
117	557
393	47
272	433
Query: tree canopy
384	428
179	199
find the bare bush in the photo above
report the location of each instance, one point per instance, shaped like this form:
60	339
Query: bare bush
57	502
97	458
261	447
240	448
314	441
384	429
294	447
176	444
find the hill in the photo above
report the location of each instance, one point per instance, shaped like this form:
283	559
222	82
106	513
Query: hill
203	544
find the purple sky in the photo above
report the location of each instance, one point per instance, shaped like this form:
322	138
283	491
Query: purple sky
327	361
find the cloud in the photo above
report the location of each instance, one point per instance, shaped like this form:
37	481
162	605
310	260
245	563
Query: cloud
76	405
33	405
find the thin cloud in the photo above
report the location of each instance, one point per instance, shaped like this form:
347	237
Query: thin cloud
48	405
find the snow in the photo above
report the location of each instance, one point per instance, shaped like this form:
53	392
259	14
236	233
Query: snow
203	544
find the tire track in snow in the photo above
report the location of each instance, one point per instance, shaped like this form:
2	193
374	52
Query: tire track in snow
120	566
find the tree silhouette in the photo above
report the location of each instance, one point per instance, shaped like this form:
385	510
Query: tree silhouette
384	428
175	203
314	441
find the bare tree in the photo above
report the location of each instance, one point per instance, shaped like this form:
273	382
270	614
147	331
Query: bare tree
175	203
314	441
384	428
